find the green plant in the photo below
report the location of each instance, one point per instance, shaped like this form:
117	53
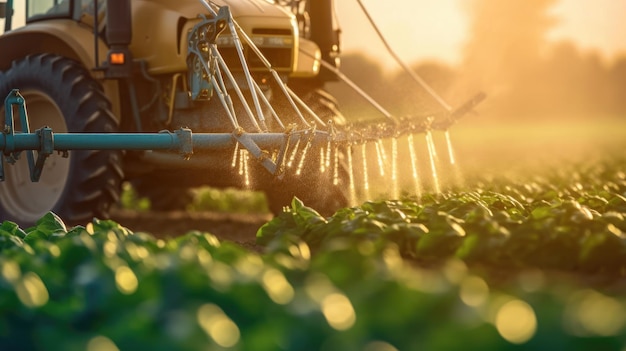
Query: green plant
534	265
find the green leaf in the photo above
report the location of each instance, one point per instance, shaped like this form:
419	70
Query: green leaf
48	224
304	215
279	224
11	228
34	236
106	225
541	212
8	240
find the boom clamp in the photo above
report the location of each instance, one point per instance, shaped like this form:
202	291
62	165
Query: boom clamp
45	137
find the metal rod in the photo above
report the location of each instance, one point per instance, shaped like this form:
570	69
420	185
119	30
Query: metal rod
95	34
355	87
246	70
208	7
222	93
395	56
218	77
139	141
281	84
233	82
268	105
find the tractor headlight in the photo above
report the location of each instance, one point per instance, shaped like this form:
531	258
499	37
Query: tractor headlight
266	41
226	40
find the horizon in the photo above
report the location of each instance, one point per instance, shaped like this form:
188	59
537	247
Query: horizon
440	31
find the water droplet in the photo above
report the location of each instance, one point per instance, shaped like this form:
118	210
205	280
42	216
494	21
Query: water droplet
450	150
294	152
246	171
366	183
431	142
233	164
243	166
322	161
381	159
394	167
241	162
413	156
328	148
336	166
432	153
351	175
303	158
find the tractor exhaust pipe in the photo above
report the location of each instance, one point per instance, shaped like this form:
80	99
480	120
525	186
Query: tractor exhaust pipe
119	25
119	33
6	12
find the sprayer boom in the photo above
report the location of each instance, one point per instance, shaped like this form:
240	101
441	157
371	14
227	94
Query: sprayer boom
268	148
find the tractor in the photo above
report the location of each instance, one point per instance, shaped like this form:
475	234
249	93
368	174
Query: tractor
168	96
146	66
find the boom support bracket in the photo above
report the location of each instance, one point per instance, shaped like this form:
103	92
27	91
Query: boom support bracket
15	101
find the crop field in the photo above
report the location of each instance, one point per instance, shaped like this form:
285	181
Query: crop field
524	249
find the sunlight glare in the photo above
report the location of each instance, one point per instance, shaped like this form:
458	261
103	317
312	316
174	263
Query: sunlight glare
338	311
516	321
218	326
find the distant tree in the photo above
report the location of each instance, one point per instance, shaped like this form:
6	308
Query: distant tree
617	78
395	91
572	83
510	58
369	76
410	99
504	52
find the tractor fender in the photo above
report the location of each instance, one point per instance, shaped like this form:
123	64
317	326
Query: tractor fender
62	37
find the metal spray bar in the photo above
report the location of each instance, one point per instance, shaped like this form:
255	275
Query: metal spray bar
184	141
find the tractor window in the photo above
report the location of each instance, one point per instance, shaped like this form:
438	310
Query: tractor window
40	9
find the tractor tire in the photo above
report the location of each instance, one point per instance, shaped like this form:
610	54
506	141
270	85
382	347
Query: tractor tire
324	105
61	94
314	188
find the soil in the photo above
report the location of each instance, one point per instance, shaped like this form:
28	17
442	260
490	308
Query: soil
237	227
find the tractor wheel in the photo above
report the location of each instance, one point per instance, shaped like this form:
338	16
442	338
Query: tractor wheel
315	188
61	94
324	105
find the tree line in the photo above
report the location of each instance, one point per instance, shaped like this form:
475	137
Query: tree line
511	59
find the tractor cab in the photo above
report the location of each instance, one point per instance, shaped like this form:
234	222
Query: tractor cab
216	67
16	13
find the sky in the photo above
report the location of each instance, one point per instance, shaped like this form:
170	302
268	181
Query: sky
437	29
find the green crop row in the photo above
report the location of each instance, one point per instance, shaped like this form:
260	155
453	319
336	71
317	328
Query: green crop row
480	270
570	221
203	199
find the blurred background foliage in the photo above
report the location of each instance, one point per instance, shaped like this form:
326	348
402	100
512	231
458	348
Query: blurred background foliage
510	56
